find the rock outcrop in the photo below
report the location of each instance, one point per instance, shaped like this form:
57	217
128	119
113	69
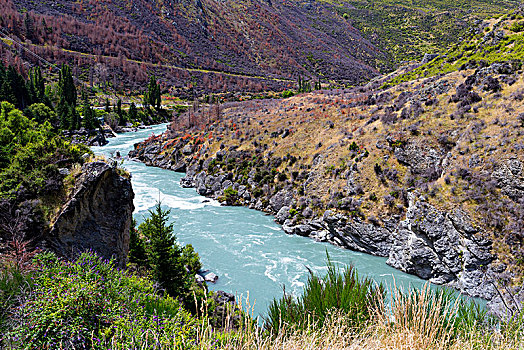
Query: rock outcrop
443	248
98	216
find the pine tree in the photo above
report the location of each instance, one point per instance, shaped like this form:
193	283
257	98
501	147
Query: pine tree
137	247
88	121
66	86
164	254
132	114
121	116
36	86
69	118
29	28
153	96
107	107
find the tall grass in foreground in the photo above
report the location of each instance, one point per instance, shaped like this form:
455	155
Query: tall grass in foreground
420	319
355	297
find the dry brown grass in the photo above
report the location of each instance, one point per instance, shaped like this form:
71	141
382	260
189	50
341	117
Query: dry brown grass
414	323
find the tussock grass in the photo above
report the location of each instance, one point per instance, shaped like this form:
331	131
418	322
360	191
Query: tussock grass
421	319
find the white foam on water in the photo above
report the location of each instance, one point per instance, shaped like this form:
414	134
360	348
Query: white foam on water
269	270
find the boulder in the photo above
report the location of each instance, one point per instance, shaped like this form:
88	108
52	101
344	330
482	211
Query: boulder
280	199
211	277
97	217
282	215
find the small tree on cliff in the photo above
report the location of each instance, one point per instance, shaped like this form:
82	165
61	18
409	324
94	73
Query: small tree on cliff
164	255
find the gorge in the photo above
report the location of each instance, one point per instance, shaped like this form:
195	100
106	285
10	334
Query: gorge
247	250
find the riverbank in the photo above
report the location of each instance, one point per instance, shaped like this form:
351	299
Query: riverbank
227	177
329	167
249	252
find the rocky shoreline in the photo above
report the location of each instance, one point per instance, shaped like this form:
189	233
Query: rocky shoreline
442	247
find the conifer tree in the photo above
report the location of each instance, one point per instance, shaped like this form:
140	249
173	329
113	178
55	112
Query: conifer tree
88	121
164	254
36	86
132	114
153	96
121	116
137	247
67	100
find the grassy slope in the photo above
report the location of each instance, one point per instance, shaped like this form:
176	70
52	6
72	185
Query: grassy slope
405	30
324	125
481	47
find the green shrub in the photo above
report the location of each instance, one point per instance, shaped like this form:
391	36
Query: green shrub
517	27
230	196
287	93
257	192
338	290
89	303
191	259
29	152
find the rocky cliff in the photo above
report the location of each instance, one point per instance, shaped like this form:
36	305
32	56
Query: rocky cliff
97	217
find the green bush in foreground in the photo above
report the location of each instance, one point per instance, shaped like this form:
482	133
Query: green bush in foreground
89	303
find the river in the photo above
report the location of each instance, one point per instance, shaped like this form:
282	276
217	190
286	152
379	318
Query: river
247	250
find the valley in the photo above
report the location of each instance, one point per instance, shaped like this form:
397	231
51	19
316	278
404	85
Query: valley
261	174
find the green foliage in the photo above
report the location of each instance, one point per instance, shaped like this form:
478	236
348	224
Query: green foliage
164	255
406	30
303	85
517	27
230	196
89	303
342	291
42	113
132	113
354	147
137	247
468	54
190	259
29	152
13	87
89	121
67	95
287	94
153	96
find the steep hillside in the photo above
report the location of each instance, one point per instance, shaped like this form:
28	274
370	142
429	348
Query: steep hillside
406	30
216	46
428	173
186	41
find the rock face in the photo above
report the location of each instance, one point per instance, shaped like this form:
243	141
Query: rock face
97	217
443	248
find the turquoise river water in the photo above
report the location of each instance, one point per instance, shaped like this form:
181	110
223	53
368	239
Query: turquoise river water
247	250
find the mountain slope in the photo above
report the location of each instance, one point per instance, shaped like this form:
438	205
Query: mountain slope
215	46
276	40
